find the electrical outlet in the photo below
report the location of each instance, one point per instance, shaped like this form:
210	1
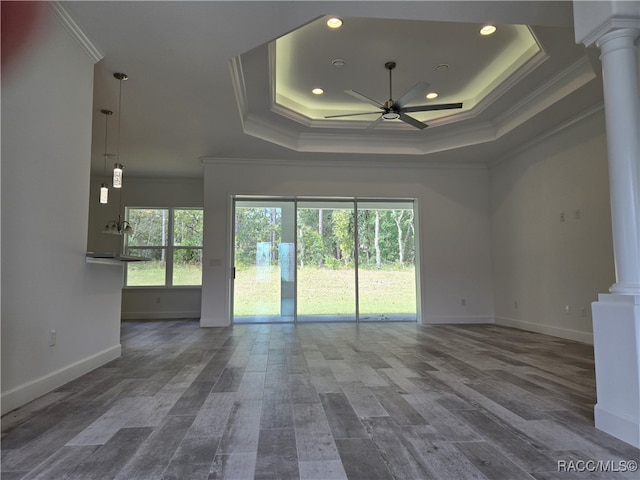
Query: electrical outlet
157	299
515	304
562	217
52	338
567	309
583	312
463	302
577	214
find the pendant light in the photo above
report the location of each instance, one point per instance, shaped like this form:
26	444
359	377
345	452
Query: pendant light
104	187
117	167
119	226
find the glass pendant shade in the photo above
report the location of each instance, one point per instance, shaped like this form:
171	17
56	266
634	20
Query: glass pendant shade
104	193
117	175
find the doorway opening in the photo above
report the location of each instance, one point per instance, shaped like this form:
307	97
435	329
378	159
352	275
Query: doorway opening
324	260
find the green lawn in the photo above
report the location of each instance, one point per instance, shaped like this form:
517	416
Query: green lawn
327	292
148	274
321	291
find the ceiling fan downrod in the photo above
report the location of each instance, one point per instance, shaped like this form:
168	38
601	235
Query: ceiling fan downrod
390	113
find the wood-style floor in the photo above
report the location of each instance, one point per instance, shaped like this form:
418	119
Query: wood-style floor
320	401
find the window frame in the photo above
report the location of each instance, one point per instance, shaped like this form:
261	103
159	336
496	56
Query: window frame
169	249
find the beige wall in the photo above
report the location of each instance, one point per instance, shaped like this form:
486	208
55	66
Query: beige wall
542	263
47	97
453	224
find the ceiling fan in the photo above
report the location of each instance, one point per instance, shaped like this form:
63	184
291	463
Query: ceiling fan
392	110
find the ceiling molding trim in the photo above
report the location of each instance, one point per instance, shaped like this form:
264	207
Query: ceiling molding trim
239	87
566	82
386	145
370	143
368	162
258	127
556	129
537	59
614	23
526	69
570	79
76	32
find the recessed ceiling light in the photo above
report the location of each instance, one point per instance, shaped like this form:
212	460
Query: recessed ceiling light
334	22
487	30
432	95
338	63
317	91
442	67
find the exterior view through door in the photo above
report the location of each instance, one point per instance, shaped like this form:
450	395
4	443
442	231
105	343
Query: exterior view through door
324	260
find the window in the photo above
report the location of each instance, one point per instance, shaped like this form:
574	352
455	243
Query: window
172	239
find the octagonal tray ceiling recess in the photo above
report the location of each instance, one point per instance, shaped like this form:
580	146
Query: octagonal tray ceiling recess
274	82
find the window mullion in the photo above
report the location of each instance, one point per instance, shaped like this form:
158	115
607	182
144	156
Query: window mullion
169	249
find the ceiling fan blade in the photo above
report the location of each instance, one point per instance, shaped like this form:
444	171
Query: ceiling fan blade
373	125
364	98
418	89
429	108
351	114
412	121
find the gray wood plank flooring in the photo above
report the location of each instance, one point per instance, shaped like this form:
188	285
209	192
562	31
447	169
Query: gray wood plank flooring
319	401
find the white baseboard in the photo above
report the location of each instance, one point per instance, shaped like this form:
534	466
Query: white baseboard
576	335
623	427
160	315
450	319
29	391
214	322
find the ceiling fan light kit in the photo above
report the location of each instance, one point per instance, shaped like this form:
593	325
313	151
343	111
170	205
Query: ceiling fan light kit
397	109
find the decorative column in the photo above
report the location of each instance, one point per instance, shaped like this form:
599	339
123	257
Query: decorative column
622	111
616	316
614	26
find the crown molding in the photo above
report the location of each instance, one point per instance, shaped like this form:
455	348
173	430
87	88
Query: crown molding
261	128
291	129
329	163
239	86
76	32
555	130
567	81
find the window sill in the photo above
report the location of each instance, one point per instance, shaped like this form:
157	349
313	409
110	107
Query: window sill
150	288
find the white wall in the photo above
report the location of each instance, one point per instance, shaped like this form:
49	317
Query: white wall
539	261
46	284
146	302
453	225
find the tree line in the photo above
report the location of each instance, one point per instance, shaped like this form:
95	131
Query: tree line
151	229
326	237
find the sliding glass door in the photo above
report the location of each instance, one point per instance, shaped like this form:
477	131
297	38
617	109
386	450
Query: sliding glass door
264	262
386	261
324	260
